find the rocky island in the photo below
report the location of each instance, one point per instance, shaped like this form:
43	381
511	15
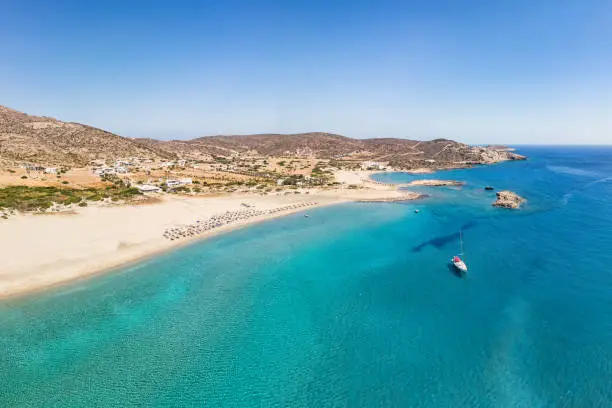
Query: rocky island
508	199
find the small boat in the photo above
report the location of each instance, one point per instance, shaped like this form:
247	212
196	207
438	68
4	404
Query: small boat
457	261
416	211
459	264
489	188
305	215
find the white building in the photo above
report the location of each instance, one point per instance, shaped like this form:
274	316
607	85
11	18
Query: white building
104	170
147	188
121	170
51	170
367	165
33	167
179	182
181	162
168	164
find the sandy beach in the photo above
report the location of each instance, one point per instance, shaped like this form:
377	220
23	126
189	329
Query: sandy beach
43	250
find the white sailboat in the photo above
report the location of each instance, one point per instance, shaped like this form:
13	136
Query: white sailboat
457	261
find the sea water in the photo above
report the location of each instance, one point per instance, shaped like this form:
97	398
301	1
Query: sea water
354	306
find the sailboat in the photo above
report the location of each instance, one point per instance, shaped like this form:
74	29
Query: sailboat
457	261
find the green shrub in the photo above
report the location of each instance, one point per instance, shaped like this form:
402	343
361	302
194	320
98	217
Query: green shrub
25	198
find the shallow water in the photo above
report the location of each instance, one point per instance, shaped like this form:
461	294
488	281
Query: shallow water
354	306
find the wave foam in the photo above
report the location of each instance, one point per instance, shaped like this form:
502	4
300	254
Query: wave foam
572	170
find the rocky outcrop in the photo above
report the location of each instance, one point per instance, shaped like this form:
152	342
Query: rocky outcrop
490	156
508	199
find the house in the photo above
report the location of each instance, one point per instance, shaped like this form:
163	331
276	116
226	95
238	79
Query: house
181	162
33	167
123	163
121	170
103	171
430	161
168	164
178	182
371	165
148	188
51	170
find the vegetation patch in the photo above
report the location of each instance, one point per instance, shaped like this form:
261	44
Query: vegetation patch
26	198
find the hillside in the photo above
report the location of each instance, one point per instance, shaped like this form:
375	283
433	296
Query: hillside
401	153
44	140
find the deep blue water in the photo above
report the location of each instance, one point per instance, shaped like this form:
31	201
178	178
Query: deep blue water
354	306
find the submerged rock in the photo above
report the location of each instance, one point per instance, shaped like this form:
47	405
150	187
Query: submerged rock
489	188
435	183
508	199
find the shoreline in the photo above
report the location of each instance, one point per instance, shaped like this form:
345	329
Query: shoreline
46	252
41	253
153	253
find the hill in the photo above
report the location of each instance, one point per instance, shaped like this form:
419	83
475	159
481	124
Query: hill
34	139
44	140
401	153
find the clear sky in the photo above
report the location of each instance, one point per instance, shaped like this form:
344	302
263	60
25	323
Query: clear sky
482	71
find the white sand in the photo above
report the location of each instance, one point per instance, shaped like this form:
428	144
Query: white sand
44	250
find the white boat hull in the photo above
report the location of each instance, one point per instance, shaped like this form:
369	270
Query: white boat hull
460	265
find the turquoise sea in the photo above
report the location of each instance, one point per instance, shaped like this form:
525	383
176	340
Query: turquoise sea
354	306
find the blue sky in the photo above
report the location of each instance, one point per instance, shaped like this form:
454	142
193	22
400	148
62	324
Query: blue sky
510	71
